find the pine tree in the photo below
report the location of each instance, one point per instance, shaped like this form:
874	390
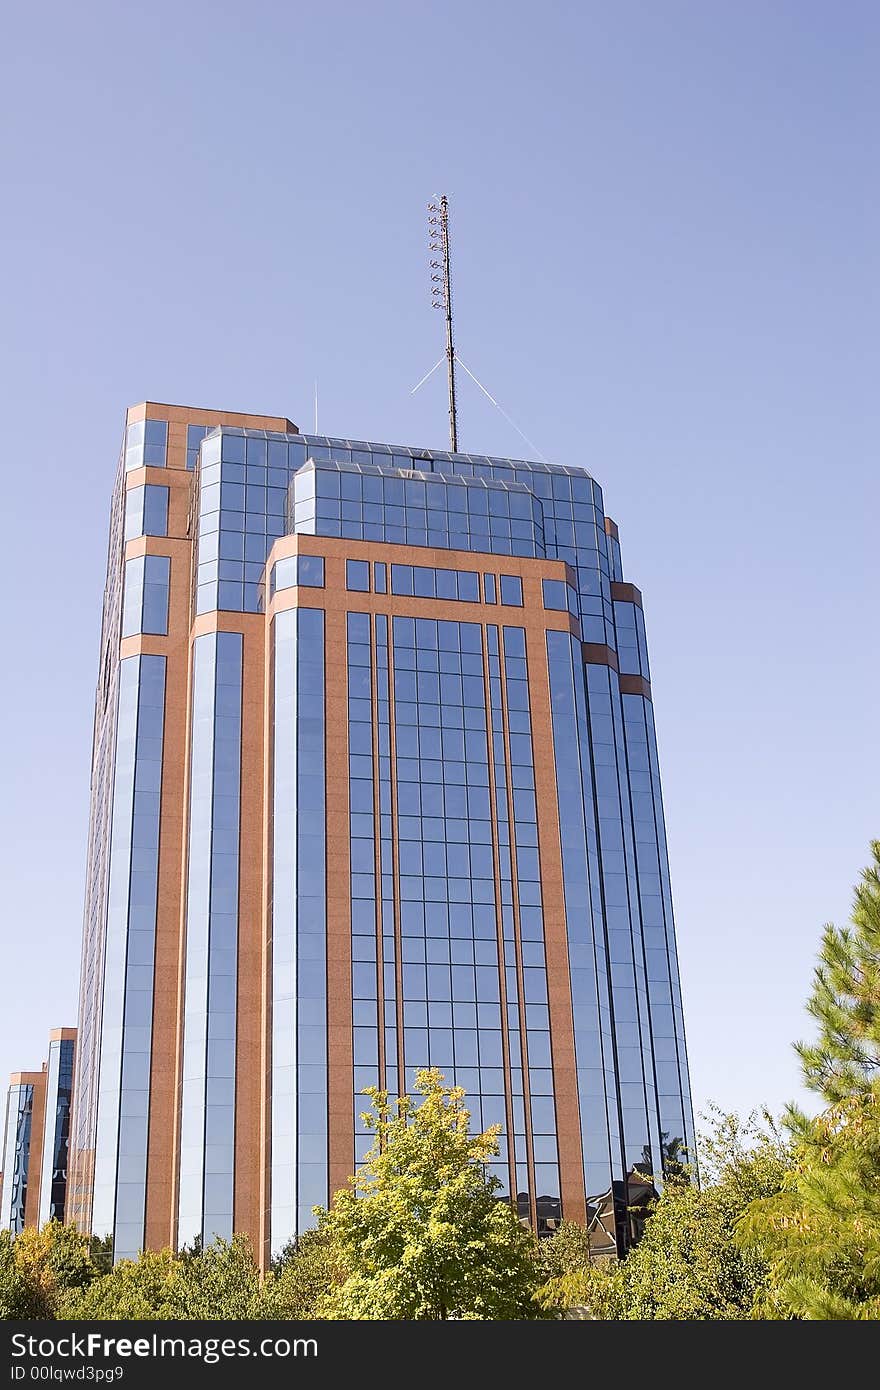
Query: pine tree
845	1061
821	1234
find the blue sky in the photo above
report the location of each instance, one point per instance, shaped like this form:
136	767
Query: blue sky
666	222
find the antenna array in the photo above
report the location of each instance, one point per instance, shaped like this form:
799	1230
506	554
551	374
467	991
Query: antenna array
441	297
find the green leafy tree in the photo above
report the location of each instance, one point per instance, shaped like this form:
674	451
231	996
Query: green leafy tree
38	1268
102	1254
220	1281
420	1232
20	1295
687	1265
567	1251
303	1275
821	1233
133	1290
564	1260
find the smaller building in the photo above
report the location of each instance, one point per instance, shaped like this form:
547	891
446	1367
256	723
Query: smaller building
56	1129
23	1149
33	1182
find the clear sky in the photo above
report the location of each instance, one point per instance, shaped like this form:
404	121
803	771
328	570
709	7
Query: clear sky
666	226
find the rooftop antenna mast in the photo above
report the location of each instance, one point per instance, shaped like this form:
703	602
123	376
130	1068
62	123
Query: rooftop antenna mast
441	297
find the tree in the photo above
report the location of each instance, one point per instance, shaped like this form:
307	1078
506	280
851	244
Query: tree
134	1290
567	1251
20	1296
821	1233
221	1281
687	1264
564	1260
302	1275
38	1268
845	1002
420	1232
102	1254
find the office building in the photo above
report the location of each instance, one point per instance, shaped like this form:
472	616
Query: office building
375	786
33	1187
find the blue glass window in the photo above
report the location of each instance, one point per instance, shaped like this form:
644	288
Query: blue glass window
134	446
424	582
310	571
146	442
305	570
284	573
299	1040
194	436
146	511
489	588
556	594
380	577
145	596
157	574
155	510
511	590
121	1137
401	579
205	1197
357	575
468	586
155	443
56	1133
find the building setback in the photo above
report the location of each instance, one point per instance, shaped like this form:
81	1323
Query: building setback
375	787
33	1183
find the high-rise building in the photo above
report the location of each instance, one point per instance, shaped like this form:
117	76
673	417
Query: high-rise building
375	787
33	1183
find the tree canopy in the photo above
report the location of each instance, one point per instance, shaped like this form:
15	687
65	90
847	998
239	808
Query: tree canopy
219	1282
420	1232
821	1232
303	1274
39	1268
785	1224
687	1264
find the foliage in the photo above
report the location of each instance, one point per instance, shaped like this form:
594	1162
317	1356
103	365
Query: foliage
101	1248
20	1297
302	1275
220	1282
39	1268
420	1232
688	1265
781	1227
845	1002
567	1251
821	1233
564	1261
134	1290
